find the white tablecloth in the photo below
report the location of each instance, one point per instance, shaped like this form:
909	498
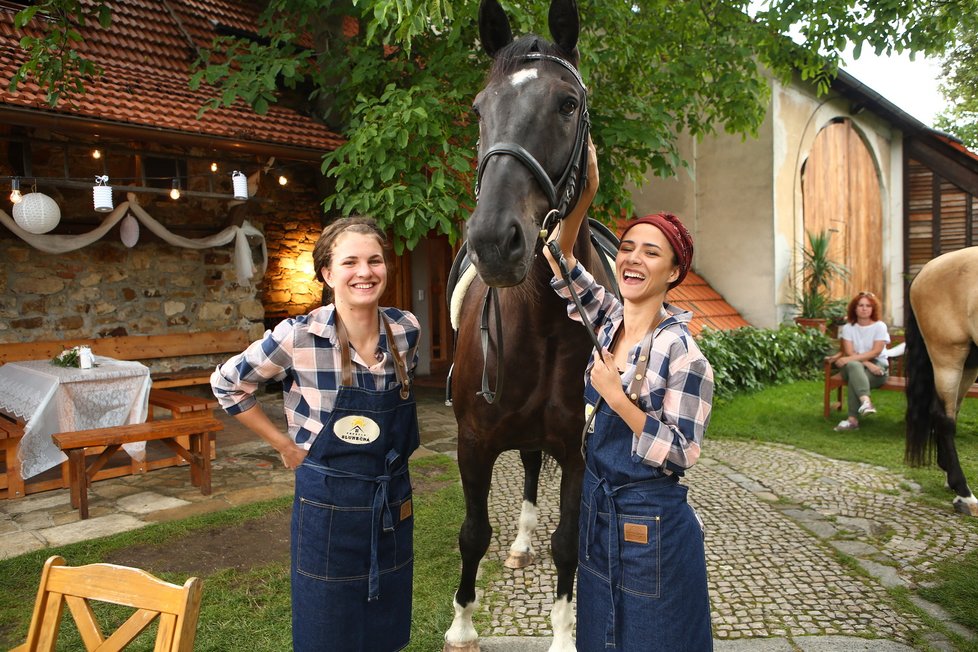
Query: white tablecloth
52	399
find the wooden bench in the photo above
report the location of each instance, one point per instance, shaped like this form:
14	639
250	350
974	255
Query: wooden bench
180	406
142	348
199	429
896	381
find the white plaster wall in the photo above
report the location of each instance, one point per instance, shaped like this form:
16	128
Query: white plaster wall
742	200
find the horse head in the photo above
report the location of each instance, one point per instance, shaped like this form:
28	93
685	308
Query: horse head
532	140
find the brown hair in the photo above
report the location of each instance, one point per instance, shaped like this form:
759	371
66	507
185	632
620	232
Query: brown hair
322	253
851	309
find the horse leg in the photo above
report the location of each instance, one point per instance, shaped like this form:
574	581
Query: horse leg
948	378
521	552
563	545
473	541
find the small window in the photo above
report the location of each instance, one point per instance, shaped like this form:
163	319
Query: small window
159	172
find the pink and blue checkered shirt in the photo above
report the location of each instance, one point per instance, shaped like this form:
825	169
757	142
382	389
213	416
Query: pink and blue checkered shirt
677	393
303	353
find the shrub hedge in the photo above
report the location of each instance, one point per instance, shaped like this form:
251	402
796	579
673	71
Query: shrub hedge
748	359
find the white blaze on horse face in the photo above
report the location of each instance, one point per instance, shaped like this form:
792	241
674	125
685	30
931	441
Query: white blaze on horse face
520	77
562	621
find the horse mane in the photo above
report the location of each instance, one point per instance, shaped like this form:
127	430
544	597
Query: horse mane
511	58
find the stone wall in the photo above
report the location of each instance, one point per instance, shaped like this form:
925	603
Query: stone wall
107	289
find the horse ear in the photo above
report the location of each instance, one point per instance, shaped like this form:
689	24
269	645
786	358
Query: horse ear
494	27
565	26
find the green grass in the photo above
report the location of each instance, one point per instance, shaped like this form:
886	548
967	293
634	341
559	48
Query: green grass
250	610
792	414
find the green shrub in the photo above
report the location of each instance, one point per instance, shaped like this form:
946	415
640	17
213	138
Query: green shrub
749	359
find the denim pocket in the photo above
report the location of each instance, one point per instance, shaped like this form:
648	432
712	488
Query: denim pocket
641	549
334	542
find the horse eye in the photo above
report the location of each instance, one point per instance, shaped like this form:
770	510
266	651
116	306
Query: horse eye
568	107
475	110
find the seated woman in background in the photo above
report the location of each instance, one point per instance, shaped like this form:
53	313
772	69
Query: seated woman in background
863	360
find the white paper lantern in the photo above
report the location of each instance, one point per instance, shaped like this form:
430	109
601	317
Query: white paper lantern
240	182
102	194
129	231
37	213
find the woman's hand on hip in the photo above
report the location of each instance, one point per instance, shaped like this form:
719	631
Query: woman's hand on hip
293	455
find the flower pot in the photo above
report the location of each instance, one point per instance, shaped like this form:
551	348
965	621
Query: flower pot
812	322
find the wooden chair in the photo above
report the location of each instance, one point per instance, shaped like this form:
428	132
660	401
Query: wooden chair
175	606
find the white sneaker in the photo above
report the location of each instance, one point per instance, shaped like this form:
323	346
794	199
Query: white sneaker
845	424
867	408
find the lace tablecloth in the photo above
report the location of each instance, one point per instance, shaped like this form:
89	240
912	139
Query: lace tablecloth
53	399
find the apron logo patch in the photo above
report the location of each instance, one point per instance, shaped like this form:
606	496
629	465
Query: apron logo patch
406	509
356	430
636	533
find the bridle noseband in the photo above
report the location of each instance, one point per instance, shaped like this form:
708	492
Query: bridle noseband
574	176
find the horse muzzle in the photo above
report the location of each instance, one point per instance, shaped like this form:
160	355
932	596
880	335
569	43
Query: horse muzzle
502	253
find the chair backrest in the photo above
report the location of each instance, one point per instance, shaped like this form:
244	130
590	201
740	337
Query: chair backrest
176	607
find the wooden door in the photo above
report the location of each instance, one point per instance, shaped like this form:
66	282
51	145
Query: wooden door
841	193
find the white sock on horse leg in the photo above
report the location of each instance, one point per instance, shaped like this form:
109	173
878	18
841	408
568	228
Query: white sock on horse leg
527	524
462	630
562	621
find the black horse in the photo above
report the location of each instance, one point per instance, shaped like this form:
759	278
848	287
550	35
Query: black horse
533	127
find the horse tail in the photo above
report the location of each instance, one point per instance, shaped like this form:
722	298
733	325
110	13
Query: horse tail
921	395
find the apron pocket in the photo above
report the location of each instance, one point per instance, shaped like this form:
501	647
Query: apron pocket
640	554
334	542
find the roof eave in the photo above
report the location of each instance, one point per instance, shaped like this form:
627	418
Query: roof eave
75	124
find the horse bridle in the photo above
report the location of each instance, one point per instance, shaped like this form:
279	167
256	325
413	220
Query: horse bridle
574	176
572	180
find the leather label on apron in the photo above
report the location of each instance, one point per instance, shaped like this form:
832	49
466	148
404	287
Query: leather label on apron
636	533
356	429
406	510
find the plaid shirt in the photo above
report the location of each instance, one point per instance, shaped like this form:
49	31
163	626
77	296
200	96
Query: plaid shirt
677	393
304	354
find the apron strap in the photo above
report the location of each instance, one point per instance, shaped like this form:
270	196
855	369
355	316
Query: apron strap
346	365
400	368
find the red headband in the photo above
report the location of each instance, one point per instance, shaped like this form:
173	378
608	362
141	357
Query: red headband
678	236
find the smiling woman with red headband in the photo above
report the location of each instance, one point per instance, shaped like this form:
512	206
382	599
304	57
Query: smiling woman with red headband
649	390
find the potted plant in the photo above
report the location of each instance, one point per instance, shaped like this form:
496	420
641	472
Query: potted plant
813	300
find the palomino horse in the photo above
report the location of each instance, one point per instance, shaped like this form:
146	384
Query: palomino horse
533	153
942	363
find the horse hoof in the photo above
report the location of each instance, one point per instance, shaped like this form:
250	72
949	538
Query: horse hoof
519	560
471	646
968	509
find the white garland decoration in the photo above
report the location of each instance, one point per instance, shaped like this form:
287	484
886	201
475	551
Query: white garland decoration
244	264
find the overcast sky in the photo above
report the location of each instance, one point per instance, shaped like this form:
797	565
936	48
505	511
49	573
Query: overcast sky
911	85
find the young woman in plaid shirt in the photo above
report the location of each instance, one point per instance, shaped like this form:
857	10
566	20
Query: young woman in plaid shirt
642	567
346	371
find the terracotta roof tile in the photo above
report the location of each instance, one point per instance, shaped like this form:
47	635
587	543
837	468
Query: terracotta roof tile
147	60
708	307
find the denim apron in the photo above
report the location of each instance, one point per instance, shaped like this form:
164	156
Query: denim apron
352	521
642	567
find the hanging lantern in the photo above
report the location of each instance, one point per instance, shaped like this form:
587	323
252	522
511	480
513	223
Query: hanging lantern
102	194
129	231
240	182
37	213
